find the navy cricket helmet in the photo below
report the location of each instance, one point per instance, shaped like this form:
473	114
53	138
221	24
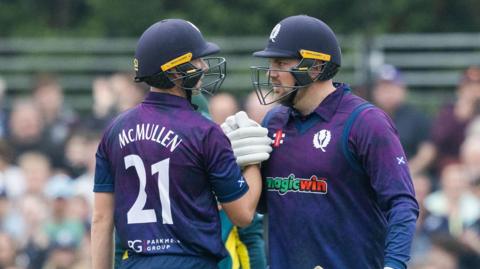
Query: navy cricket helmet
164	53
298	37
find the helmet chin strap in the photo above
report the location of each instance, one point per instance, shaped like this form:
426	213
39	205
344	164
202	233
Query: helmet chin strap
191	76
300	73
188	94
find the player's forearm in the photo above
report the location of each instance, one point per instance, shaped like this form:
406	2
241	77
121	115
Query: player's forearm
102	230
401	229
102	243
254	180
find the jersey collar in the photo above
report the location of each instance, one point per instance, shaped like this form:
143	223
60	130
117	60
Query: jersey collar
169	100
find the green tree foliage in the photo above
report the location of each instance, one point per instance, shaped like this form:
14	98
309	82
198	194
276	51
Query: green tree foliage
232	17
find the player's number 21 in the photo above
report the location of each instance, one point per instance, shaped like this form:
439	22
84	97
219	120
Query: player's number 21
136	214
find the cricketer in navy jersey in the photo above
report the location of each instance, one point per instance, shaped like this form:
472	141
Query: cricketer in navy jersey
161	167
337	187
334	208
164	149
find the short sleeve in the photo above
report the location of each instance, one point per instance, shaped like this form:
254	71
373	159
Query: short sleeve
103	178
223	172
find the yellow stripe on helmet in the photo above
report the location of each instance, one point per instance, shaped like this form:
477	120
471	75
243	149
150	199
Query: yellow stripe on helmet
185	58
309	54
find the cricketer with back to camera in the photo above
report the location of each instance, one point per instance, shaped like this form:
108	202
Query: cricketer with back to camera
337	188
161	166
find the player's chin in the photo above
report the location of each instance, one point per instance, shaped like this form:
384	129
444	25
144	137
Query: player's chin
197	89
279	90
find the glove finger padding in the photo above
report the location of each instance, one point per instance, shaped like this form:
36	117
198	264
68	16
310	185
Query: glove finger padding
226	128
248	141
230	121
252	158
251	150
242	120
247	132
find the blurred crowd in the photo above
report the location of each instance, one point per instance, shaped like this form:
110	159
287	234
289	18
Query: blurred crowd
47	162
444	159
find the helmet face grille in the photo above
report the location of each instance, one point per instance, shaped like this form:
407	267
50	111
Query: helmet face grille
206	80
268	92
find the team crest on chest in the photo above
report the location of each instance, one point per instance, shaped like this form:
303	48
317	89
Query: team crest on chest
321	139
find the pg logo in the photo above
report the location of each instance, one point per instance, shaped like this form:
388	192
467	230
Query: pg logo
135	245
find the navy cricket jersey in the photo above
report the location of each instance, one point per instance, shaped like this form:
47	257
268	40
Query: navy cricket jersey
337	187
166	164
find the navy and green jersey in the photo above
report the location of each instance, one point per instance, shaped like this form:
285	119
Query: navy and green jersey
245	246
167	166
337	187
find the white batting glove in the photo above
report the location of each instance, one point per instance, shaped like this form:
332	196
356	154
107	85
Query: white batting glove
250	141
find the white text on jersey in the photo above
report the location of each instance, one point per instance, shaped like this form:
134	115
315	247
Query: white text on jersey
150	132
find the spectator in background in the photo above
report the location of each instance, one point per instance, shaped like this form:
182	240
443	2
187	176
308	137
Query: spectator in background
254	109
448	252
453	207
449	127
63	255
75	152
37	171
84	253
62	226
34	244
11	177
473	129
221	106
3	111
83	185
78	209
26	127
8	218
104	101
8	251
471	236
58	118
27	132
470	156
127	93
421	240
390	94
